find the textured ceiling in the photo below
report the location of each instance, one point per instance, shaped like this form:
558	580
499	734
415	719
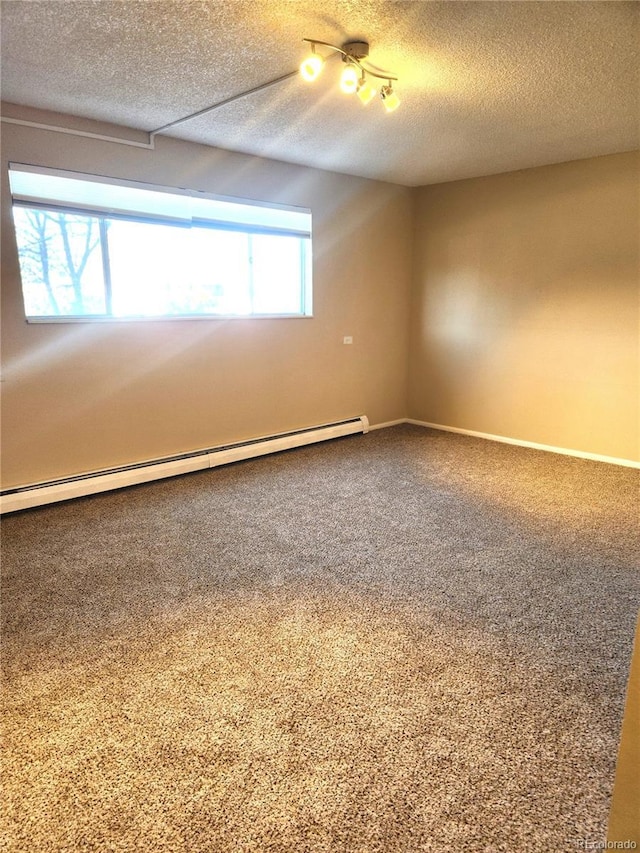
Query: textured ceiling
486	87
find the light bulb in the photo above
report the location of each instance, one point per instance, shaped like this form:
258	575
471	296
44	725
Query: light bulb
365	91
349	80
311	67
389	98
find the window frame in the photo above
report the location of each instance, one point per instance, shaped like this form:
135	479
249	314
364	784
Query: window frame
105	214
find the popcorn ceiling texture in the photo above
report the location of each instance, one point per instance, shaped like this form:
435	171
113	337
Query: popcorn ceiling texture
405	641
486	87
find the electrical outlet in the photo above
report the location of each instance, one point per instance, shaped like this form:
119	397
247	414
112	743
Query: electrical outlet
347	339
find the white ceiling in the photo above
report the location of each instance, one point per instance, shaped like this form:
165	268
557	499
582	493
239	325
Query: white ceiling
486	87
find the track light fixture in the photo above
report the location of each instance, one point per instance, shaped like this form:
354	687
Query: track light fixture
354	75
349	80
389	98
366	92
312	66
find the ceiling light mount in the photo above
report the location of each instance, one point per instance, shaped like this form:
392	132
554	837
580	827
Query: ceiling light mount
354	75
355	50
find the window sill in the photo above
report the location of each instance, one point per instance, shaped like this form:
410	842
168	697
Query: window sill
165	319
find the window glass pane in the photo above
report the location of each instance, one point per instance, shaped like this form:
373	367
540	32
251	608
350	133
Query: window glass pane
278	274
163	270
60	263
221	267
77	264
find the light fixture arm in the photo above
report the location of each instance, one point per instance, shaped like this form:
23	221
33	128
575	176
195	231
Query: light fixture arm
223	103
349	57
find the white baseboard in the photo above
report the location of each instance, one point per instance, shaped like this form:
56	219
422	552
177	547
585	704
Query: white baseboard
581	454
91	483
102	481
388	424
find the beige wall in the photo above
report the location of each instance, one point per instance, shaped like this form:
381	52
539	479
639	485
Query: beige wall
524	321
84	396
525	315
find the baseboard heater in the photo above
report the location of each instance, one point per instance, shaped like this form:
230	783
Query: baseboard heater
38	494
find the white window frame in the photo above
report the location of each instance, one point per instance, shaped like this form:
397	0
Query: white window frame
39	187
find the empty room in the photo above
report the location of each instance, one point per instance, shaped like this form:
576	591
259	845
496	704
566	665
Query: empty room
320	426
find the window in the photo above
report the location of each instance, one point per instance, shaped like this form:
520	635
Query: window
92	248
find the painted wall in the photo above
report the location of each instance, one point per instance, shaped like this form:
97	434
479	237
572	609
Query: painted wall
524	319
525	314
84	396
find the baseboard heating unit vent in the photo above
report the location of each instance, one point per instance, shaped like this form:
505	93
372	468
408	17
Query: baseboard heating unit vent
52	491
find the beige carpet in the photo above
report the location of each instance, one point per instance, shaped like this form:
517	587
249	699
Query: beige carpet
405	641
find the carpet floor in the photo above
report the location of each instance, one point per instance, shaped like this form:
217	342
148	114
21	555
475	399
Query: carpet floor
405	641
